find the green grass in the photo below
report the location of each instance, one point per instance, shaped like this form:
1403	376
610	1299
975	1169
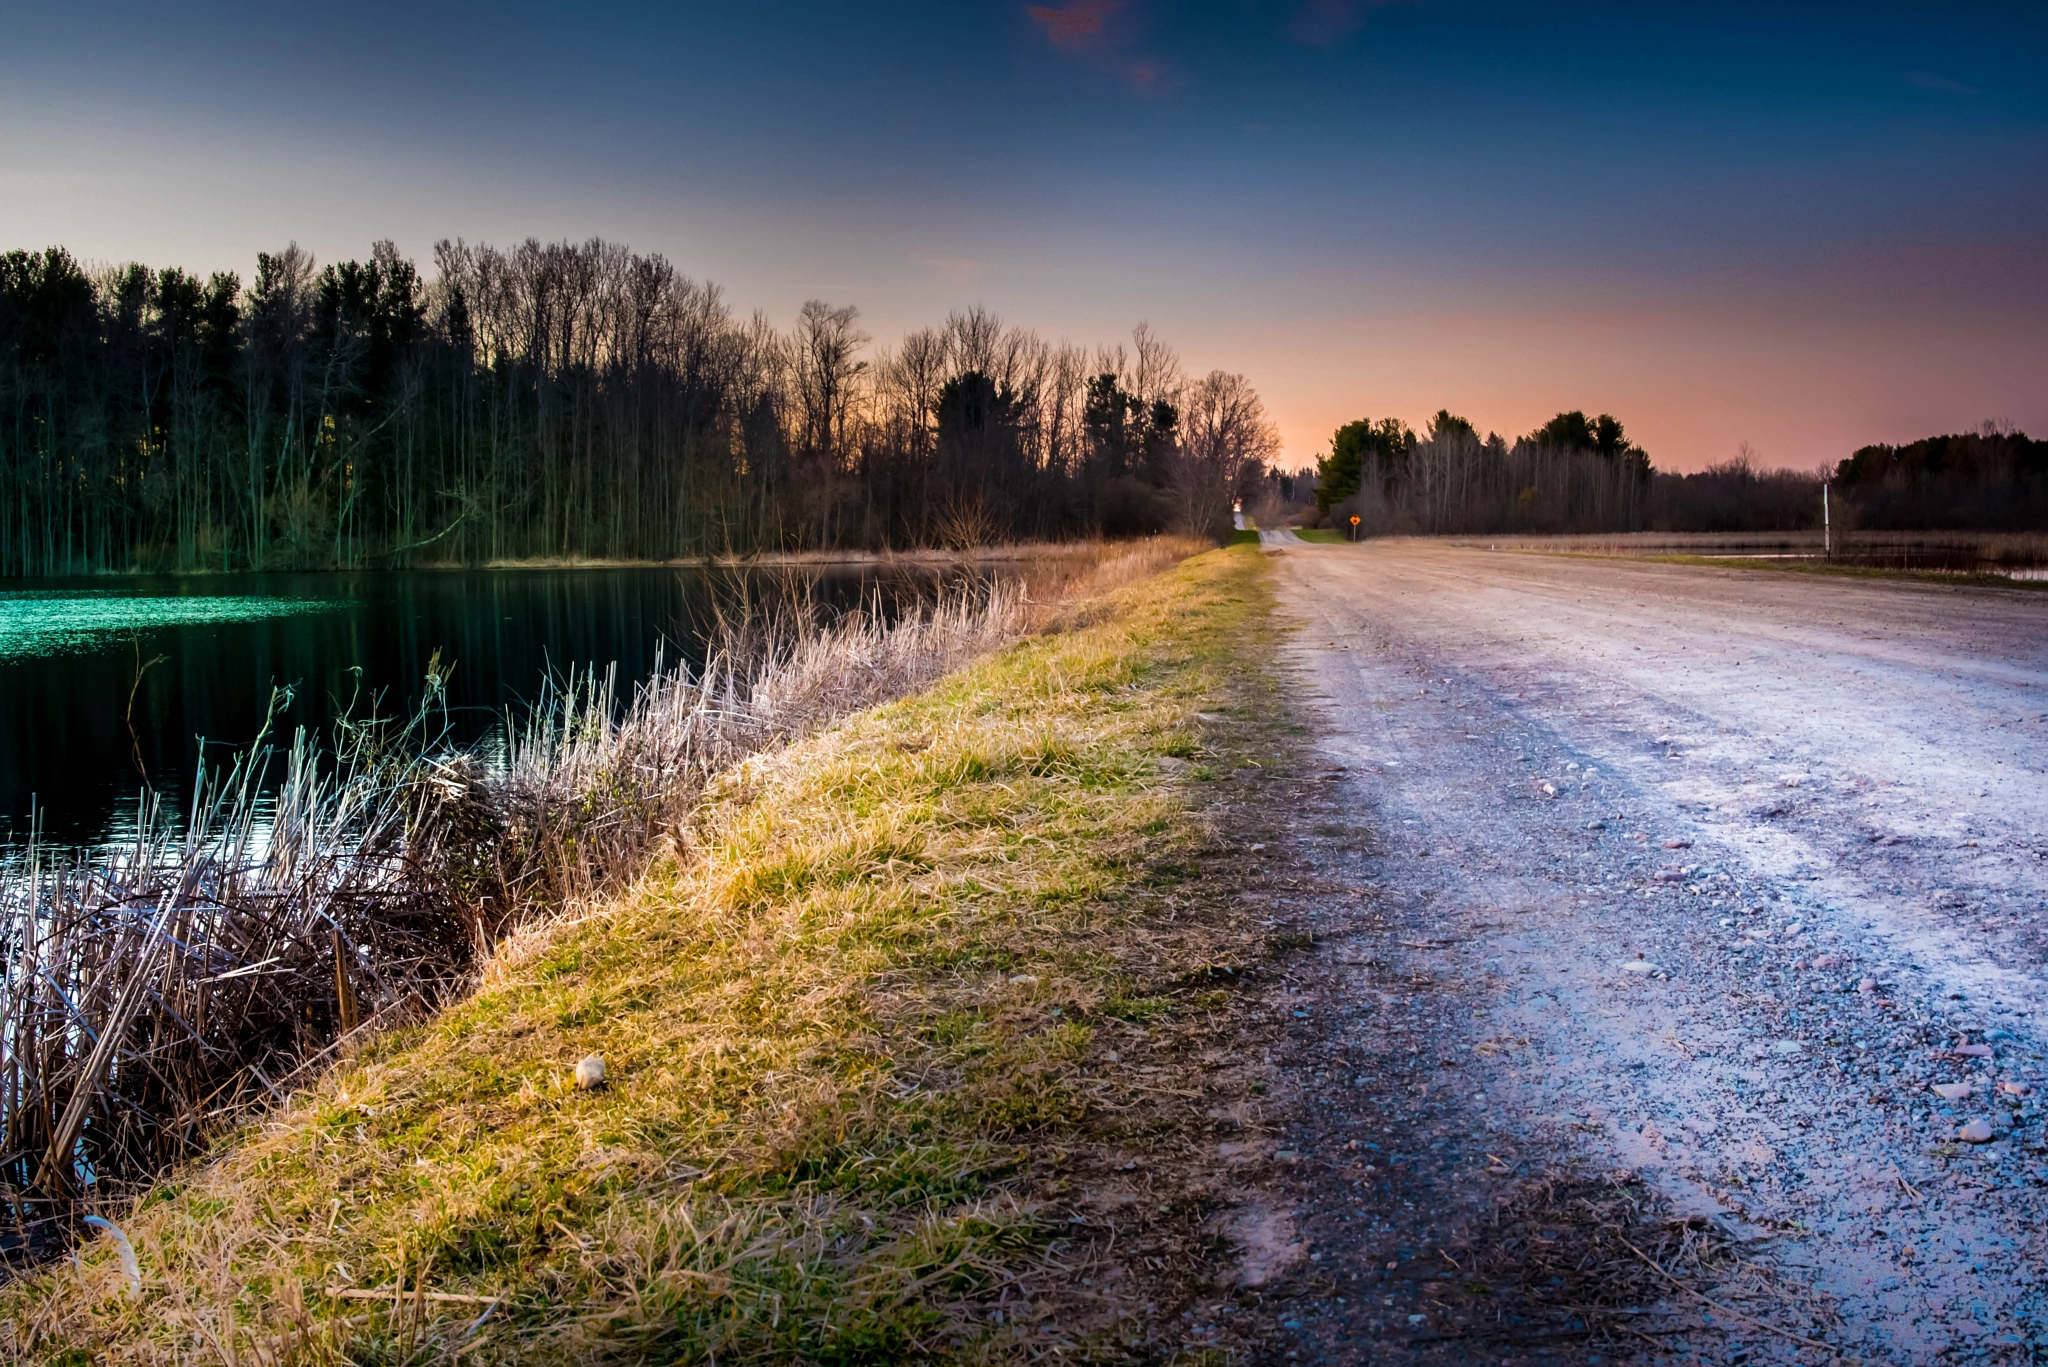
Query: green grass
845	1036
1245	536
1328	536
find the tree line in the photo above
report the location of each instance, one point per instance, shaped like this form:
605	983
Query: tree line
1573	474
1581	474
562	400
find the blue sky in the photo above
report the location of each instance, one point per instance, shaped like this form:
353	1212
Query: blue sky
1804	227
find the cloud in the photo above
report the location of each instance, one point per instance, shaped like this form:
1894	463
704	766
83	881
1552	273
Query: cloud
1320	23
1084	28
1927	80
1074	25
1147	78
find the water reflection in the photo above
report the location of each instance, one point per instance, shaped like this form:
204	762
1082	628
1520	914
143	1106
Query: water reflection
102	685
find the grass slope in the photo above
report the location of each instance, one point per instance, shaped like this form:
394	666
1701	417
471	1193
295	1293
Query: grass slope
845	1035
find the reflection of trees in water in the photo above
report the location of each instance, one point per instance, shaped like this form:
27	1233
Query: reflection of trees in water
366	641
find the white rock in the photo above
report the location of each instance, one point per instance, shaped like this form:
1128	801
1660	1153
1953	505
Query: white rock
1976	1132
1954	1091
1026	979
1785	1048
590	1073
1639	966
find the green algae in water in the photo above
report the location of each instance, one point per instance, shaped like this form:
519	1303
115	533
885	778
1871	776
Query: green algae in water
52	623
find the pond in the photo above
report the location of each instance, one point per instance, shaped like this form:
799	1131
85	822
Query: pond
106	683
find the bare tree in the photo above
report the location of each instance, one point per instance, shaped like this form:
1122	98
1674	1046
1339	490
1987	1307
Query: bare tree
1225	434
827	369
972	340
1156	377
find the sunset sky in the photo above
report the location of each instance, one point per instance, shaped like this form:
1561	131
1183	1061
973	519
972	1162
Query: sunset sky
1806	227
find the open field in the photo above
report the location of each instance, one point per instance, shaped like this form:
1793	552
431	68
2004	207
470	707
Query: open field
1949	554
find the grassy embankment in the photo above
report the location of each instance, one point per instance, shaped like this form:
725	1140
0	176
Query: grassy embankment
845	1036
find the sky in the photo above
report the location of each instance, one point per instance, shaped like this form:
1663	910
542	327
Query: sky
1802	228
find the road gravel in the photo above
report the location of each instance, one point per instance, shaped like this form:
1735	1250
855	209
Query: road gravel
1697	877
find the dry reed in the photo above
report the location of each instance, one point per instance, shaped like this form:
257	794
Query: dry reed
150	991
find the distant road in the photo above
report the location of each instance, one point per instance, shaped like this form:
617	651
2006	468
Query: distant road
1729	860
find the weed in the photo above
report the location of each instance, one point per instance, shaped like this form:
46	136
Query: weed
847	1016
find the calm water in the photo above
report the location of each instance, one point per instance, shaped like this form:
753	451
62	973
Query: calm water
69	653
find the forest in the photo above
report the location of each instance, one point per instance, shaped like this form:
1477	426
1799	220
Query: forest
562	401
1580	474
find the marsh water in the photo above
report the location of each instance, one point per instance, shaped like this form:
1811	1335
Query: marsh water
108	683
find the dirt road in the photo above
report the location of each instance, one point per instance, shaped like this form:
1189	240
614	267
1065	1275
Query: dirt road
1702	876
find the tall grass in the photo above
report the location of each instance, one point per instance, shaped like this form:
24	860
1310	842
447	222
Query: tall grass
149	991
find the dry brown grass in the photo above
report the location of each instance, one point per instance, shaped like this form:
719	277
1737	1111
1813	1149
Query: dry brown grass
833	1021
151	992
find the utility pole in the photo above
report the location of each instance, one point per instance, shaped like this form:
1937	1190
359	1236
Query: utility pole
1827	530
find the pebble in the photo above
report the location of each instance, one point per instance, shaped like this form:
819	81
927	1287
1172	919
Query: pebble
1026	979
1954	1091
1973	1050
1596	825
590	1073
1257	848
1868	987
1827	961
1678	844
1784	1048
1976	1132
2011	1088
1668	875
1639	966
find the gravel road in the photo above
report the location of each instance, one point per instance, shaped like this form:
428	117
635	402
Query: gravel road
1712	875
